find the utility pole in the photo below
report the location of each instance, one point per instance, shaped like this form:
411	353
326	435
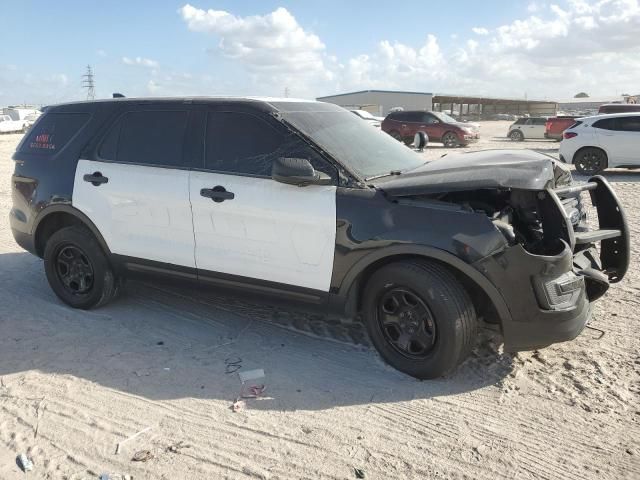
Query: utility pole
89	84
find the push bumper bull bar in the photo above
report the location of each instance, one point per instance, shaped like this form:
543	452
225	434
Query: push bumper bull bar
549	296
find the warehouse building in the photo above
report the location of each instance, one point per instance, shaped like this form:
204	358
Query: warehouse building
380	102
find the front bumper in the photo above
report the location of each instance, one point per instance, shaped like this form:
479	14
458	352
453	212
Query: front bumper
468	138
550	296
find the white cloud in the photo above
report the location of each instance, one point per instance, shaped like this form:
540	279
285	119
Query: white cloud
553	53
273	47
101	53
144	62
480	31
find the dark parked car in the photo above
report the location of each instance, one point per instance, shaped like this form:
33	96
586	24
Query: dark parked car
305	202
438	126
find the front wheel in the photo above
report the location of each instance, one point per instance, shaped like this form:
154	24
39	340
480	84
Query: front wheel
450	140
419	317
590	161
77	269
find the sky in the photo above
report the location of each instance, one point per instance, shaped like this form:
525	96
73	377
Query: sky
508	48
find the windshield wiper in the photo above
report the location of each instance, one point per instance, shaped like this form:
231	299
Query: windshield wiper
388	174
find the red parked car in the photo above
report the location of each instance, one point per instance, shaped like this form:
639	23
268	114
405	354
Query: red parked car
556	125
438	126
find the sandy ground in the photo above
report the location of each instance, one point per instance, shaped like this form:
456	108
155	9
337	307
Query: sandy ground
73	384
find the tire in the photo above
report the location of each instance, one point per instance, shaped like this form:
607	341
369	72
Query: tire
450	140
516	136
590	161
438	334
395	134
78	270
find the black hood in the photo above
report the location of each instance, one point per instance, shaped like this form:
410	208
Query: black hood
519	169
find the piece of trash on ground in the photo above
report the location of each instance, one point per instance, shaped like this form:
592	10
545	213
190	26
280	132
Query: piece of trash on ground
114	476
24	463
250	389
359	472
131	438
175	448
232	364
237	405
142	456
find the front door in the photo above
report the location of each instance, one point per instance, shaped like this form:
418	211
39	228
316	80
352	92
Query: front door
251	226
136	188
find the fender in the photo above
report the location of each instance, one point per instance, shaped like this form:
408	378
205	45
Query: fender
353	275
68	208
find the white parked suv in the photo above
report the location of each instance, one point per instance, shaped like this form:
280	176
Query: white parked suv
595	143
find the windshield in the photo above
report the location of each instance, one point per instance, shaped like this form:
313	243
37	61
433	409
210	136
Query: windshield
366	151
443	117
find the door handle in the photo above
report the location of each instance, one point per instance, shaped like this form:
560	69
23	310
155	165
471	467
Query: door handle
217	194
96	179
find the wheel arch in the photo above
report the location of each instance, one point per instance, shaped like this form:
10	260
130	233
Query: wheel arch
486	298
55	217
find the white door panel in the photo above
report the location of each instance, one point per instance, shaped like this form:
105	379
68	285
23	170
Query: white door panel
269	231
141	211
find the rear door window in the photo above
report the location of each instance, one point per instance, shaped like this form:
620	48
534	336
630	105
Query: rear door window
606	124
629	124
52	132
153	137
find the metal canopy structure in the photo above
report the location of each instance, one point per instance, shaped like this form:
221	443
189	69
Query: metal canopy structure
482	107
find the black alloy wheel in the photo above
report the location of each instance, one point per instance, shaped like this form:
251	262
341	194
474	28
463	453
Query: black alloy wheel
407	323
74	270
590	161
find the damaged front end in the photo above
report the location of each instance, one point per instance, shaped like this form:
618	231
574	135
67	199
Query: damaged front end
552	268
553	265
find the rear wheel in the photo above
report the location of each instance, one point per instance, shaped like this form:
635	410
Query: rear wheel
77	269
590	161
450	140
516	136
419	317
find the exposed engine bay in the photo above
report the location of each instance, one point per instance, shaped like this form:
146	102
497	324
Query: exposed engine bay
520	215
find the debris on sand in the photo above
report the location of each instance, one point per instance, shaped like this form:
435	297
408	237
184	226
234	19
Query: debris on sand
137	434
24	463
176	447
142	456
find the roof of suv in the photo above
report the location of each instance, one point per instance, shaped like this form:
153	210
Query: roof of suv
281	104
609	115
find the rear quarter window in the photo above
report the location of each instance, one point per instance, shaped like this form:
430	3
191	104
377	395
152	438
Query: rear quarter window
52	132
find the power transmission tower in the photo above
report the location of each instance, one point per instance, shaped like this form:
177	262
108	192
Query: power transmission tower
89	84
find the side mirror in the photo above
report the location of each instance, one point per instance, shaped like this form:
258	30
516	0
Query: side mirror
297	171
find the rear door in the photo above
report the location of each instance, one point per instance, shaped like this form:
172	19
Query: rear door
611	140
628	138
263	231
135	189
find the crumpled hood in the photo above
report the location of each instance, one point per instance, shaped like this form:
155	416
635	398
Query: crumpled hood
519	169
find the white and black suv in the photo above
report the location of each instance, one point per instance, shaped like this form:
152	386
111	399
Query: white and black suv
304	201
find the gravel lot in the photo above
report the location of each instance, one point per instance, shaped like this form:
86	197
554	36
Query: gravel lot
73	384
